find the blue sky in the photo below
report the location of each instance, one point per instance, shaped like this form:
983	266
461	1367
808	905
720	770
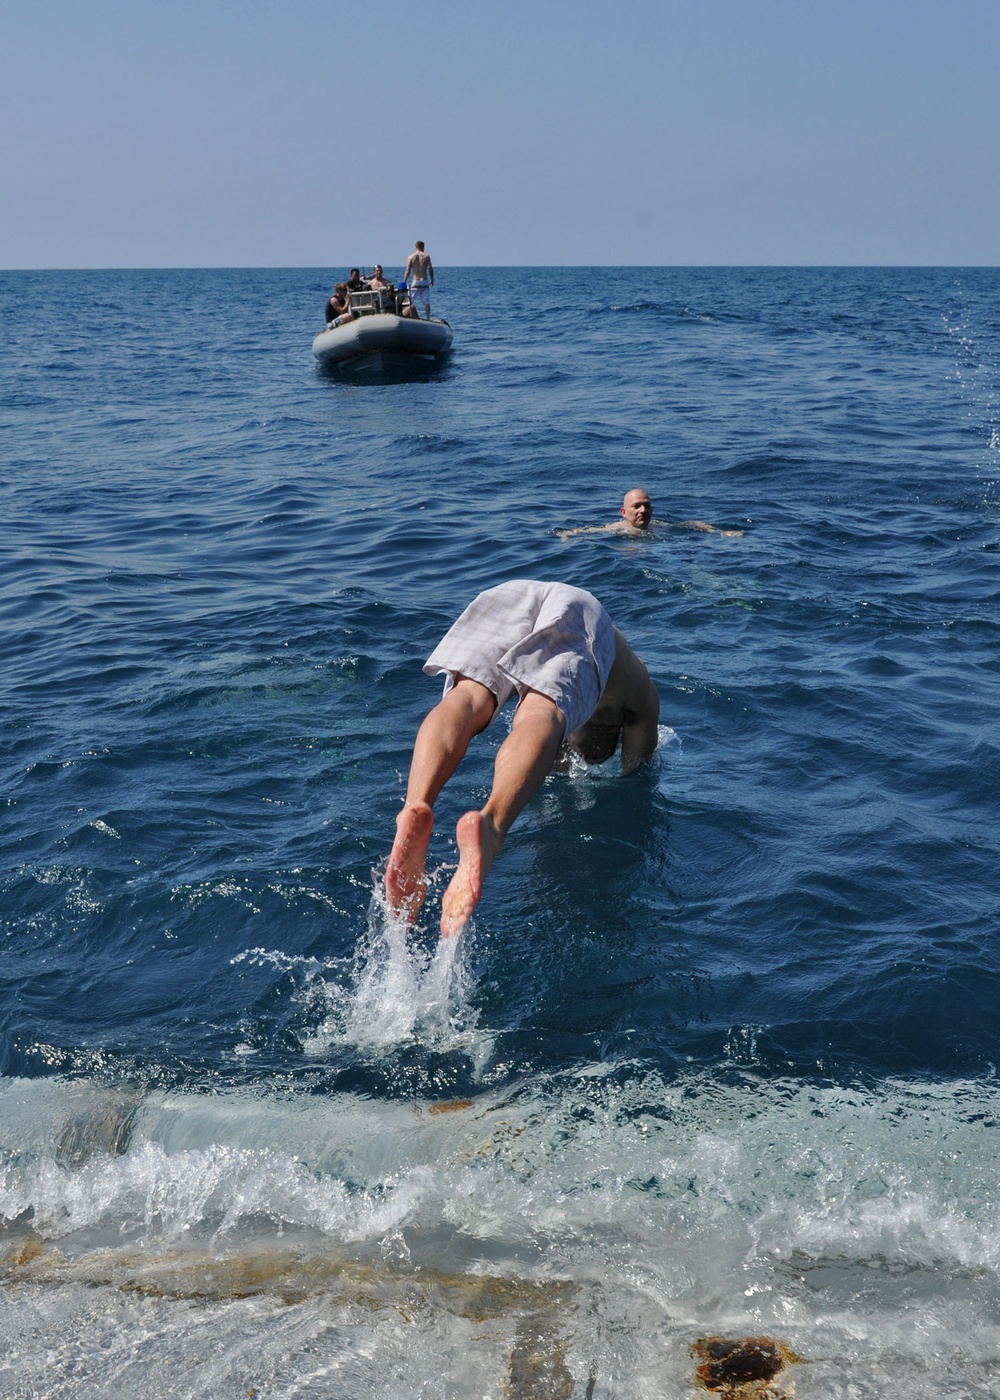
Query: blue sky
178	133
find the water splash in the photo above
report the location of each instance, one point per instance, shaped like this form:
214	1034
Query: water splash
400	990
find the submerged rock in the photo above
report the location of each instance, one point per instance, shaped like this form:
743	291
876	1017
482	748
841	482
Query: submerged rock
745	1369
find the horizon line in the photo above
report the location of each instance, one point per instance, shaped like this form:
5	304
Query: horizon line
616	266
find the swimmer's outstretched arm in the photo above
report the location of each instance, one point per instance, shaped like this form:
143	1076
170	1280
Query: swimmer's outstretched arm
616	526
619	527
702	525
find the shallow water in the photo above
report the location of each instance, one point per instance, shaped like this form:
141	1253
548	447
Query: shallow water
717	1055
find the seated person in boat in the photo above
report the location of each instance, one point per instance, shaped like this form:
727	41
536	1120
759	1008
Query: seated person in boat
636	513
383	287
404	306
338	308
356	283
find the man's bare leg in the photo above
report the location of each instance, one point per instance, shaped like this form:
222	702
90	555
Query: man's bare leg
438	749
523	761
405	885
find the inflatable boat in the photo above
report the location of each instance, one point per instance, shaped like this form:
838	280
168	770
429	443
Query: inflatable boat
380	338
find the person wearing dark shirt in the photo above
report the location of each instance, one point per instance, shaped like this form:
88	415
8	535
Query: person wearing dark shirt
338	308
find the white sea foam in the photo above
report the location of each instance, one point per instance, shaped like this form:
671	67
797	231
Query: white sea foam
859	1224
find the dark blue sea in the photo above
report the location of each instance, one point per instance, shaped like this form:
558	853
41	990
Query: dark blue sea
717	1056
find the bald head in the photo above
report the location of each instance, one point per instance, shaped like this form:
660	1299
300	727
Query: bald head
637	509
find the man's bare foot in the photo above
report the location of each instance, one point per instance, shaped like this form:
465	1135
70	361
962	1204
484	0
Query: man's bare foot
478	843
405	885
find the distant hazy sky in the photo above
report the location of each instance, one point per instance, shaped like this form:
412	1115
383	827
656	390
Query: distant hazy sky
175	133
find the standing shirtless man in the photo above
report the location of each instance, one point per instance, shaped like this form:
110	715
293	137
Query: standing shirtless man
578	681
419	273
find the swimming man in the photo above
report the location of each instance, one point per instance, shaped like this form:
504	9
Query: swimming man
636	513
578	682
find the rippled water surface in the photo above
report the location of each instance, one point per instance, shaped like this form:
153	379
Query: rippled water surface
717	1055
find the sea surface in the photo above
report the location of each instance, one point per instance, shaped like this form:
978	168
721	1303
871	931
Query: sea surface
718	1055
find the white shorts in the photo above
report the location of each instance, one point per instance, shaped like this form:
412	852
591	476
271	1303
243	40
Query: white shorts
420	292
524	635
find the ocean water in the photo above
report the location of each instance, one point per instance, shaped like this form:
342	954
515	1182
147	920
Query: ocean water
717	1055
